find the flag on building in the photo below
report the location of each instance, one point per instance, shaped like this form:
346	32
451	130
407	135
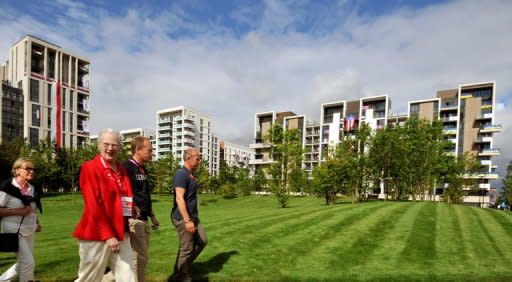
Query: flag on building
57	113
349	123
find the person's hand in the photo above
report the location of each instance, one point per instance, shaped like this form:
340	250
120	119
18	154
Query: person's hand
154	222
39	228
113	244
24	211
190	227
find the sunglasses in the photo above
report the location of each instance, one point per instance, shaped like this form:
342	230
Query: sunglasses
29	169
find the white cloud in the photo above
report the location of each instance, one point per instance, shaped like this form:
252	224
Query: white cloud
140	63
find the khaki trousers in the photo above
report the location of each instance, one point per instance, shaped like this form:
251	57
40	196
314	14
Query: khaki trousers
139	239
191	245
95	256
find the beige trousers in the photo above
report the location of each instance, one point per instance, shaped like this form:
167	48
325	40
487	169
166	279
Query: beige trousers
24	267
95	256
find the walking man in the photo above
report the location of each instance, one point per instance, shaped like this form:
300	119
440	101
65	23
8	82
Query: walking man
142	152
185	217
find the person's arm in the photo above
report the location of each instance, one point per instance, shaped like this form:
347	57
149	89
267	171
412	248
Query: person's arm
182	208
4	212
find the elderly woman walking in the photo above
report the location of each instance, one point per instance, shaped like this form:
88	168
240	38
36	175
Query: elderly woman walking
19	202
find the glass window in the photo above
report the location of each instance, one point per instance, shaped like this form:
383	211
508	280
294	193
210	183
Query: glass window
63	121
64	98
34	137
36	115
34	90
49	95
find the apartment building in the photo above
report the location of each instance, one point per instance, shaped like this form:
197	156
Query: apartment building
311	147
235	155
55	87
11	114
129	134
182	127
263	122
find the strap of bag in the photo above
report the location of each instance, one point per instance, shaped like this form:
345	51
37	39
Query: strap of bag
20	225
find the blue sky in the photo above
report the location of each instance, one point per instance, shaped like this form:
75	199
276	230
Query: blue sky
231	59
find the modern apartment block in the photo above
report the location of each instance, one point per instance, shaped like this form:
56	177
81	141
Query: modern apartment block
263	122
311	147
11	114
182	127
235	155
55	86
129	134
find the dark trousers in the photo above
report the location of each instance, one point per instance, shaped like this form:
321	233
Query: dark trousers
191	245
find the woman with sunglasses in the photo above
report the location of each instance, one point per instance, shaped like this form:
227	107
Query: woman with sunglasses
19	202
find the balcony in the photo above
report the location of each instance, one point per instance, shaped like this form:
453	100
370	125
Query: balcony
486	162
486	139
164	120
490	128
449	106
449	130
449	118
260	162
490	152
485	116
485	186
486	175
259	145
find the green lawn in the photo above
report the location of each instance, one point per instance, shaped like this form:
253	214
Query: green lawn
250	238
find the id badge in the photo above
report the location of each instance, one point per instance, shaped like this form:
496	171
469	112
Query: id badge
127	203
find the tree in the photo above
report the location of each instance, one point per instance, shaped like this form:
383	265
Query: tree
506	194
161	173
9	152
48	171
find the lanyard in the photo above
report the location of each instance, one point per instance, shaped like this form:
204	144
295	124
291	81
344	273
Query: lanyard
114	176
141	170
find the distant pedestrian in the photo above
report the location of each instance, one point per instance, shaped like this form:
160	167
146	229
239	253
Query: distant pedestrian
103	232
185	216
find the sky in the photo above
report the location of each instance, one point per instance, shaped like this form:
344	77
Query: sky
232	59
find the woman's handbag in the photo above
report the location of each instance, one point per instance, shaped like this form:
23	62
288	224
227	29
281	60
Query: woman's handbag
9	241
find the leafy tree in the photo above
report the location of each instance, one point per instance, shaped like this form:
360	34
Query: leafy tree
506	194
9	152
48	171
161	173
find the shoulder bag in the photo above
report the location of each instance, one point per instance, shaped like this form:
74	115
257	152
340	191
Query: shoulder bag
9	241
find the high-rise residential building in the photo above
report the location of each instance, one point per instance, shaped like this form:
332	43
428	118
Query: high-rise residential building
11	114
55	86
129	134
263	122
235	155
467	114
182	127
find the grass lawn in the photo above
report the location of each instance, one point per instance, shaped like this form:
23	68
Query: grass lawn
250	238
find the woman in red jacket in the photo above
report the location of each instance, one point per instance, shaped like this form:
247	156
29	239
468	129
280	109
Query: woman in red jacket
103	232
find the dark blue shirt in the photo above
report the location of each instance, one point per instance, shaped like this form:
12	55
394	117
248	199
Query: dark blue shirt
184	179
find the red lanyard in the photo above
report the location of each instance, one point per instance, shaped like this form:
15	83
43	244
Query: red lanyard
117	177
137	165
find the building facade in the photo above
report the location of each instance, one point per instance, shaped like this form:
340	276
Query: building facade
55	86
11	114
235	155
182	127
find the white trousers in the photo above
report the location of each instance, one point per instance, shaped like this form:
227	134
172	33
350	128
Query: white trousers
95	256
25	265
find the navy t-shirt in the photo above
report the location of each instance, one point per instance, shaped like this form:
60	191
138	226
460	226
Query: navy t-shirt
187	181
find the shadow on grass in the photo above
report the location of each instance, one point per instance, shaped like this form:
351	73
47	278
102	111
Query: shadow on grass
199	271
7	261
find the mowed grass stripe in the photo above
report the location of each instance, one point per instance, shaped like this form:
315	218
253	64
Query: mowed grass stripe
491	230
420	250
385	257
325	260
273	243
449	244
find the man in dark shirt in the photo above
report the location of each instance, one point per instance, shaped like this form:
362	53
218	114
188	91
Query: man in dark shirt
185	216
142	152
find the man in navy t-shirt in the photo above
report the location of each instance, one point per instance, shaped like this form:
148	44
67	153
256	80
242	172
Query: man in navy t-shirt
185	216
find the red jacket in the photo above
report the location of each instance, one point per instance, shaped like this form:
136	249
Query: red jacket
102	217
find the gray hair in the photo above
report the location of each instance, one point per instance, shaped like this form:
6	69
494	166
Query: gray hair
188	153
111	131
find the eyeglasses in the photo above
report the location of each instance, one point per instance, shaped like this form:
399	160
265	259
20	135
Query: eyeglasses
107	145
29	169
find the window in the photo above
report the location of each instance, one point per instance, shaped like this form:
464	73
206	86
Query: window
49	95
34	90
36	115
415	109
63	121
64	98
34	137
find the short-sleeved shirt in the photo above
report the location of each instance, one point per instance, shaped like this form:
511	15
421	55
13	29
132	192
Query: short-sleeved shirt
184	179
12	223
